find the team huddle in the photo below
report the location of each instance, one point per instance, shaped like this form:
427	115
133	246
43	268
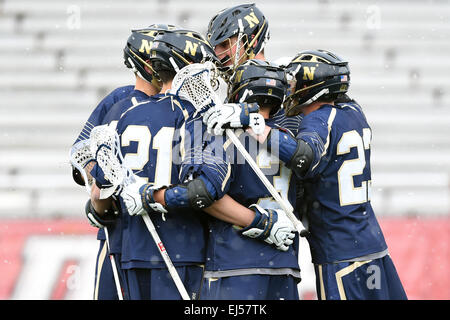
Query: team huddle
201	179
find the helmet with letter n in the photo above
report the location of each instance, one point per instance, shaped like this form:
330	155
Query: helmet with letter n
174	49
246	22
136	53
314	75
261	82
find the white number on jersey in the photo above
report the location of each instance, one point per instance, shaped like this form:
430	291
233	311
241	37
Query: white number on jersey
162	141
348	194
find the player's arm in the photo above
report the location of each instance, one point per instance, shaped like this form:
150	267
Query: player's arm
200	195
233	115
100	205
100	212
271	226
296	153
81	157
101	209
229	210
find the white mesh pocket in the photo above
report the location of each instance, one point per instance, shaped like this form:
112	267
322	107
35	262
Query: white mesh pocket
105	144
193	83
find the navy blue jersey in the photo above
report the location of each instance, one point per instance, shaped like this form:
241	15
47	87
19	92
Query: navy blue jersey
151	135
250	287
133	98
111	118
229	252
96	117
340	216
375	279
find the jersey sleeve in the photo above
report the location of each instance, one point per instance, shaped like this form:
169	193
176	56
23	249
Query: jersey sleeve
316	131
96	172
98	114
95	118
205	157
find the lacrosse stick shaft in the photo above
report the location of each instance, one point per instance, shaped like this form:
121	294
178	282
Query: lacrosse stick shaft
114	266
173	272
285	205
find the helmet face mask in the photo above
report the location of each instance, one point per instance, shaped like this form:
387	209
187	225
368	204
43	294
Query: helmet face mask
315	75
241	32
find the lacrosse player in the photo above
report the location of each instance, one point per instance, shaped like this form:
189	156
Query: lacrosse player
331	154
194	194
212	177
241	38
136	57
261	272
151	134
238	267
104	284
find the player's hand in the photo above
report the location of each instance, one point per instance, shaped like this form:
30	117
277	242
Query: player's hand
272	226
131	196
135	198
233	115
106	219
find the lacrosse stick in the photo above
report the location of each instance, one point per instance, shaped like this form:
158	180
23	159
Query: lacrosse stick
114	266
110	160
82	159
195	83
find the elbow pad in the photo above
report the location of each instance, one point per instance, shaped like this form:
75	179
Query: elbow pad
196	194
301	159
199	195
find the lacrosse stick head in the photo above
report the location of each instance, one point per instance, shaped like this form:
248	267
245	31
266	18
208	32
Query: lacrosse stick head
197	83
82	160
105	146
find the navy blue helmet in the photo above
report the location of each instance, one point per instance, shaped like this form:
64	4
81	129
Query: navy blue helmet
137	52
315	74
259	81
246	22
174	49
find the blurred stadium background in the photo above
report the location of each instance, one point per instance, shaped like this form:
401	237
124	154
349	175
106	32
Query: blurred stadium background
59	58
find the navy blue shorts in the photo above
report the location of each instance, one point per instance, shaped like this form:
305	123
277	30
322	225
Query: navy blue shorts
105	285
157	284
363	280
250	287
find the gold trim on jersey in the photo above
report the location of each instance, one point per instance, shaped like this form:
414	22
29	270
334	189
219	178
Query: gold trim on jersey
330	123
211	280
322	287
100	261
225	180
343	272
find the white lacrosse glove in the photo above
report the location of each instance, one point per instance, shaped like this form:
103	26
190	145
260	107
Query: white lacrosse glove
138	197
233	115
271	225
